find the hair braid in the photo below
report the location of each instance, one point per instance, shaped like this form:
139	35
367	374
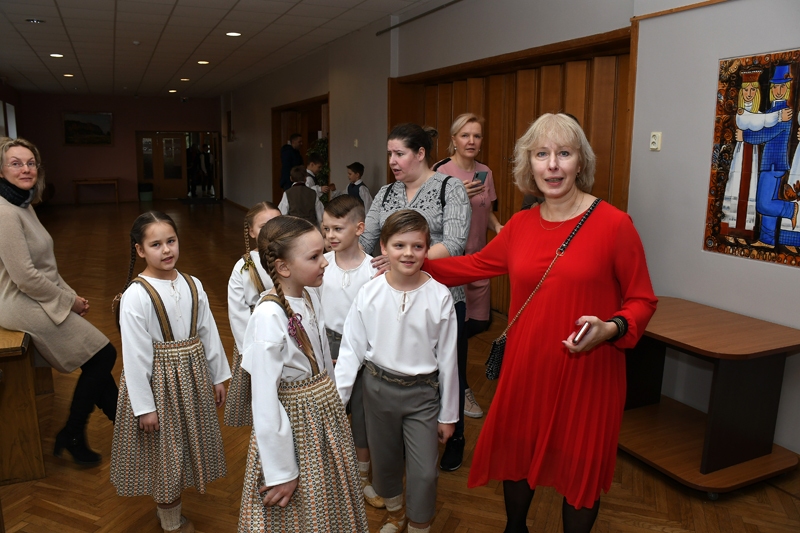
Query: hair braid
275	241
246	237
115	302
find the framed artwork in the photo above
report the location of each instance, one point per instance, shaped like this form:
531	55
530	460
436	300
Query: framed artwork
88	129
755	165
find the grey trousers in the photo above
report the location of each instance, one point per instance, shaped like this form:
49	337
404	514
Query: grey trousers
358	422
398	415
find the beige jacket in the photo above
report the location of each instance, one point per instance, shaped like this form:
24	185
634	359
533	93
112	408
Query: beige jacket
33	296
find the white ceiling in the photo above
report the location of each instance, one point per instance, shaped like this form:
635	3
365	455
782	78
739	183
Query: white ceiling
97	38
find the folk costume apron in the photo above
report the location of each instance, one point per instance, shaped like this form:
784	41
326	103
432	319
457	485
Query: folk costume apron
328	497
238	405
187	449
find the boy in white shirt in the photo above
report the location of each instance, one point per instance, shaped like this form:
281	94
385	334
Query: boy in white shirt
349	268
410	385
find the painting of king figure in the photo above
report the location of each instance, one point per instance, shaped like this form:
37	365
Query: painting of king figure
754	185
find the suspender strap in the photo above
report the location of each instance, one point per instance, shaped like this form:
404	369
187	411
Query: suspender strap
296	329
193	289
161	311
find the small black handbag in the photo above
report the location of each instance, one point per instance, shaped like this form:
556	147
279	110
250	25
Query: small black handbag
495	360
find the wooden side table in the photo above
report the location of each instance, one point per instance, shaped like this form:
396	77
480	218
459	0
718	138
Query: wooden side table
96	181
731	446
21	457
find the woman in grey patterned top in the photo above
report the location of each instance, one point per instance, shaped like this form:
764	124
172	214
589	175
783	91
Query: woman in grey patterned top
444	203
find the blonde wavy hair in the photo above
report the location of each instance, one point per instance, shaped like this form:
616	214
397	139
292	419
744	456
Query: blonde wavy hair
562	130
458	124
6	144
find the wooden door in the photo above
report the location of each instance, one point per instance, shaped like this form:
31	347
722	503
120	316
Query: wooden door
161	160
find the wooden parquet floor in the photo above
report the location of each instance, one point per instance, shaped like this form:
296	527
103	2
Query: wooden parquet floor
92	246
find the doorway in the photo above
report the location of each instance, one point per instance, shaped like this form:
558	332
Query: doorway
309	118
169	164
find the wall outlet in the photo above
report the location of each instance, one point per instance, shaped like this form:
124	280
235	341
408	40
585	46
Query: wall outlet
355	143
655	141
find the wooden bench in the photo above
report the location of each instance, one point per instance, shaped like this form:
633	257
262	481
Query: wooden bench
731	446
96	181
21	457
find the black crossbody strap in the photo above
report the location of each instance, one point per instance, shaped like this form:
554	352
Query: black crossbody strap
559	253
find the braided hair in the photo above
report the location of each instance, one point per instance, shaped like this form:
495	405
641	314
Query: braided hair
249	220
276	240
137	237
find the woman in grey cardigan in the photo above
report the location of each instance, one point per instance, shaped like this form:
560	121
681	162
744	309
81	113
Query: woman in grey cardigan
35	299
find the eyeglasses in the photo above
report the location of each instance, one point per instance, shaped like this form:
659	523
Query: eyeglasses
17	165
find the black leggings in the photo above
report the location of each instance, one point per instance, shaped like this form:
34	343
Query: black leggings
96	387
518	496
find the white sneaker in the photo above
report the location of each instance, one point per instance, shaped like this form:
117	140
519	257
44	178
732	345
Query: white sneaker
471	407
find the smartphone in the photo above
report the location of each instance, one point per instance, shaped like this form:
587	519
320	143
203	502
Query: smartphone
579	337
480	176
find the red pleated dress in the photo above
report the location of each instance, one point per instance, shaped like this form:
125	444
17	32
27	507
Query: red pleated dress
556	416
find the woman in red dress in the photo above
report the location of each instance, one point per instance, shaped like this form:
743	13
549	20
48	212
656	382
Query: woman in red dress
556	415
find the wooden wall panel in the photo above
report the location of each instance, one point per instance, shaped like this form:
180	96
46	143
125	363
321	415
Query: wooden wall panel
526	98
443	120
550	89
600	124
622	150
459	99
476	88
406	104
498	136
431	104
576	74
596	91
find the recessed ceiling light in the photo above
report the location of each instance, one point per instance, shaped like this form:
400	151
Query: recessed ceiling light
56	55
233	34
136	43
35	21
184	79
68	75
202	62
173	90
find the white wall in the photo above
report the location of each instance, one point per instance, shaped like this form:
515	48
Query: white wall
248	160
475	29
354	70
358	78
676	93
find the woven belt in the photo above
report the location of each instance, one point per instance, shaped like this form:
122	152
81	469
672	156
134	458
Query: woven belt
336	336
405	381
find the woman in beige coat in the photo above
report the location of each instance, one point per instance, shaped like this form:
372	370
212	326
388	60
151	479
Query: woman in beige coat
35	299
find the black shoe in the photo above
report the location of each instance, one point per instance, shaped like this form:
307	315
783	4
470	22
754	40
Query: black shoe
453	454
77	447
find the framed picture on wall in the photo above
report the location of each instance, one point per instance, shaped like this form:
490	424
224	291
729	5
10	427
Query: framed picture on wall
754	188
88	129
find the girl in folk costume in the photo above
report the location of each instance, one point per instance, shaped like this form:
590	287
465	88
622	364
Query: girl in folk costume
167	434
308	479
748	117
248	281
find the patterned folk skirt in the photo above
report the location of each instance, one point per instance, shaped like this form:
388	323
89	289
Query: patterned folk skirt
328	497
238	405
187	450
